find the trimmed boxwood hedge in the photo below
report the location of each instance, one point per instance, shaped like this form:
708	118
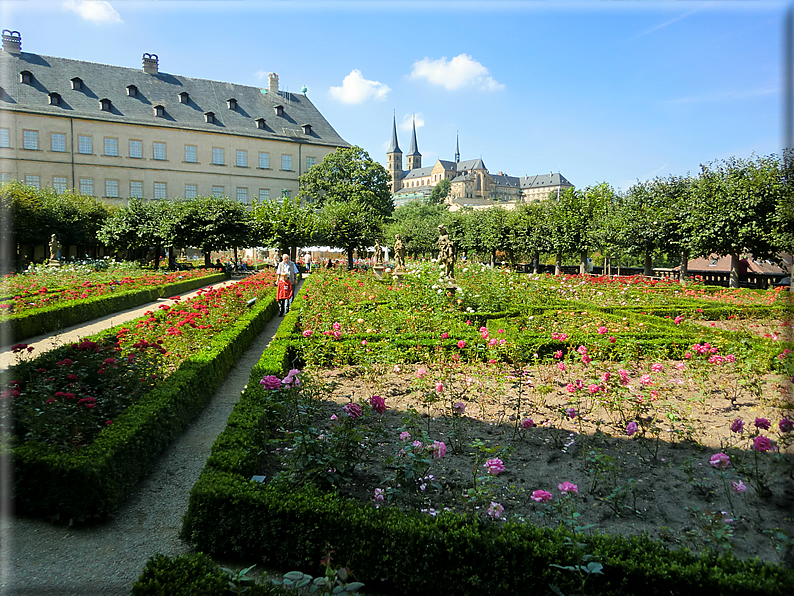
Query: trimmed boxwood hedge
97	479
58	316
231	515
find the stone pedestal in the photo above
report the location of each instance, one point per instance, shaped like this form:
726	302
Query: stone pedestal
378	270
54	263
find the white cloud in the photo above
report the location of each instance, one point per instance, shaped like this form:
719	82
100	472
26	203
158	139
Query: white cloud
356	89
409	119
453	74
96	11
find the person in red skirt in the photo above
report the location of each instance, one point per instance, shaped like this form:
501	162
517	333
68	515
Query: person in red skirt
285	277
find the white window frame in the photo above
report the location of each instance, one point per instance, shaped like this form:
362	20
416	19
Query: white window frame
264	158
87	186
85	145
158	151
5	137
112	189
286	160
264	194
242	195
310	161
112	144
218	191
191	151
59	184
217	152
160	191
136	147
191	191
30	140
136	189
33	180
58	142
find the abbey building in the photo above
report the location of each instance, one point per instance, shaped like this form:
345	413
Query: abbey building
471	184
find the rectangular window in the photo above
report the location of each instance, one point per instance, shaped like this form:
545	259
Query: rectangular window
264	194
87	186
59	184
286	194
58	142
111	147
264	160
136	189
242	195
33	181
158	151
242	159
286	163
159	190
5	177
112	189
191	191
30	139
310	161
5	137
190	154
217	191
136	149
84	145
217	156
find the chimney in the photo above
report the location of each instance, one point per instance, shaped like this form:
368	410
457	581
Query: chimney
272	86
150	63
12	41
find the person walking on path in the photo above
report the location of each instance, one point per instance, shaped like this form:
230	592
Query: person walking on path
287	277
308	260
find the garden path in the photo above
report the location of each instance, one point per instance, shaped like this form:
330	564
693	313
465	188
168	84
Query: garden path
38	558
44	343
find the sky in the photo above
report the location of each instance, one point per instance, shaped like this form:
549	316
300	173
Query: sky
598	91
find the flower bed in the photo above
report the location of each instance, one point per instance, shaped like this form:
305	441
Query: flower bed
500	449
90	418
39	305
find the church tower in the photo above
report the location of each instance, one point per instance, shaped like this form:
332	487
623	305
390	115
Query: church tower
394	160
457	148
414	158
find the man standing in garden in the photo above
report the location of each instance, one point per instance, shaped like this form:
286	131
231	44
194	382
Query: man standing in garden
286	276
308	260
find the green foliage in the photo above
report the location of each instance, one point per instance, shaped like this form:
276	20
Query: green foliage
348	174
440	192
417	223
187	575
349	225
283	224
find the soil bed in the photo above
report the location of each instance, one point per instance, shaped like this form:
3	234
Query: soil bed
659	481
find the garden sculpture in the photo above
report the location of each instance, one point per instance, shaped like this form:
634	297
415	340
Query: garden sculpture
446	252
399	252
55	248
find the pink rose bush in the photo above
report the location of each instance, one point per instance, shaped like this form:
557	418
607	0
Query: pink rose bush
494	466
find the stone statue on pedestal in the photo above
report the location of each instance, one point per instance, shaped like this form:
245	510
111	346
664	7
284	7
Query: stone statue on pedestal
446	252
55	248
399	252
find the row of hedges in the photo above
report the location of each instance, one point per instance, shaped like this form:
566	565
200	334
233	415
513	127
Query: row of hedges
97	479
58	316
231	515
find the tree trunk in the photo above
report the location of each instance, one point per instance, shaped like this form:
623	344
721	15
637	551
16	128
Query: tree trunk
536	259
734	270
583	263
349	259
207	259
235	255
558	264
648	269
684	265
493	258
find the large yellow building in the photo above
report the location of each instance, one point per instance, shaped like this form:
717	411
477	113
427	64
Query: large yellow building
116	132
471	184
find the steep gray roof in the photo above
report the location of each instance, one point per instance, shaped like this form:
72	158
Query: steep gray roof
418	172
470	164
504	180
394	147
542	180
102	81
413	149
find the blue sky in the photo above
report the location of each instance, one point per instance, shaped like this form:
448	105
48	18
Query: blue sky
612	91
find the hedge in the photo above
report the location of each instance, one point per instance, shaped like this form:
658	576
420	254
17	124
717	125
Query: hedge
59	316
229	514
94	481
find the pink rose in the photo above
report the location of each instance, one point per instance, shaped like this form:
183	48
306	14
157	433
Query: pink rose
352	410
568	487
737	425
602	330
762	423
439	449
378	404
720	460
271	382
541	495
459	408
445	335
461	344
405	435
494	466
762	443
631	428
527	423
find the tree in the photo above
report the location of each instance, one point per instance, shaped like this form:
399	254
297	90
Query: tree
440	192
214	223
140	224
348	225
417	223
283	224
732	204
572	221
348	174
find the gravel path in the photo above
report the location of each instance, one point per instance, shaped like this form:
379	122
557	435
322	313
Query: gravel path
42	559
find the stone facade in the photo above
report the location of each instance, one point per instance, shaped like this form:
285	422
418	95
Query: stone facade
115	132
471	184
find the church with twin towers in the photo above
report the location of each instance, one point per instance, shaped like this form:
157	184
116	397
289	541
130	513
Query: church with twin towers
471	184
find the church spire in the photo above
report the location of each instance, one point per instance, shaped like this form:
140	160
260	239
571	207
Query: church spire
457	148
394	147
414	158
413	150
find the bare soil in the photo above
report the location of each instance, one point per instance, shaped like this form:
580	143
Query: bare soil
658	481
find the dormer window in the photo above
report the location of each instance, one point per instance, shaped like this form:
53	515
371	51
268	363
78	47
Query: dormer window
105	105
159	111
26	77
132	91
55	99
260	123
307	129
209	117
279	110
77	84
184	97
231	103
